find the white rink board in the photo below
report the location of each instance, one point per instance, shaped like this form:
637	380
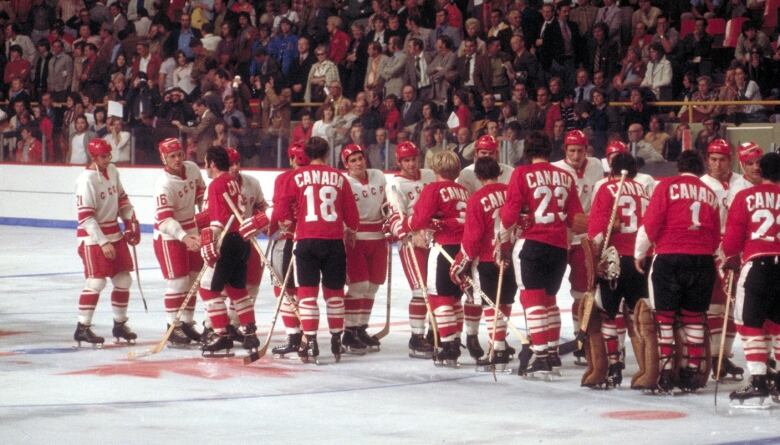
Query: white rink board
52	393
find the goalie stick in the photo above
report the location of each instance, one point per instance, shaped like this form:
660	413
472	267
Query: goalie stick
132	355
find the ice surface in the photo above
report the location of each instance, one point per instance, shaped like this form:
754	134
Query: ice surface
52	393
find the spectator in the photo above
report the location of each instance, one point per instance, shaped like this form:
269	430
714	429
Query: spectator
146	63
658	74
416	71
339	41
443	28
40	68
603	52
460	111
378	32
393	70
584	16
29	149
759	70
119	140
473	32
674	145
705	92
376	65
392	117
526	108
77	148
610	15
353	68
638	147
639	112
512	146
321	74
235	122
657	137
411	108
525	67
299	71
602	120
751	38
101	127
381	154
284	47
322	127
175	107
201	134
748	90
441	71
17	92
666	36
120	66
463	145
14	38
556	140
17	66
711	130
302	131
583	87
647	14
697	49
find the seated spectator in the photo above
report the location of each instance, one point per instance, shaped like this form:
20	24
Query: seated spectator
674	145
302	131
17	67
639	148
704	92
711	130
658	74
657	136
751	38
322	127
392	117
639	112
29	149
748	90
759	70
461	112
556	140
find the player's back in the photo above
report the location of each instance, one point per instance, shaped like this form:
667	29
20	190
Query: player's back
753	223
482	209
632	203
323	201
445	201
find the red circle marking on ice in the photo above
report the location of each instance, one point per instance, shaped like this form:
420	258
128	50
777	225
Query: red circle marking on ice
644	415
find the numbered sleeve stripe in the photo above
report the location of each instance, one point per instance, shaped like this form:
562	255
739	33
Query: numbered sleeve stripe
164	213
85	214
124	201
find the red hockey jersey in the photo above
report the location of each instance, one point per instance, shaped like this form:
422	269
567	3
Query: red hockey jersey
683	217
482	210
445	201
550	195
218	209
280	188
320	199
753	223
631	207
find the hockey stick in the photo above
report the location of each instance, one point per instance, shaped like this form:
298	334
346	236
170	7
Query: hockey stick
257	355
386	329
138	279
722	346
424	288
193	289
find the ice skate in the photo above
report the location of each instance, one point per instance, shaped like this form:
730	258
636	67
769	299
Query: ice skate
84	334
728	370
539	367
555	363
523	358
206	334
178	338
615	374
499	362
352	343
122	332
218	345
235	334
419	347
309	350
510	351
688	379
448	356
665	383
473	346
248	333
293	343
190	331
371	342
336	346
579	356
755	395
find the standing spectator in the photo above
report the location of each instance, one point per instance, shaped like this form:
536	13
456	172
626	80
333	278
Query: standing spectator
657	136
411	108
180	38
526	108
235	122
441	70
202	134
697	49
417	31
120	66
584	15
182	74
119	140
29	149
416	72
378	32
647	14
392	117
17	66
639	112
146	63
610	15
376	64
658	74
321	74
525	66
14	38
473	32
302	131
393	70
474	70
603	54
443	28
284	47
299	71
118	19
40	72
602	120
665	35
352	70
77	148
339	41
322	127
748	90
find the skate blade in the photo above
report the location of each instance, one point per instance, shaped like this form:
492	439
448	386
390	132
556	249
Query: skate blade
447	364
372	349
579	362
218	354
756	403
121	341
284	356
181	346
422	355
499	369
94	345
540	375
351	351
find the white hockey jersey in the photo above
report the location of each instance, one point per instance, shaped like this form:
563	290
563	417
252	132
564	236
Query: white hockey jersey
642	178
402	192
468	178
369	197
176	198
252	197
585	181
725	192
100	200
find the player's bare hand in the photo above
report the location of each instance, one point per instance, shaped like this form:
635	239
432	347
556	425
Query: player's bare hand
639	266
108	251
192	242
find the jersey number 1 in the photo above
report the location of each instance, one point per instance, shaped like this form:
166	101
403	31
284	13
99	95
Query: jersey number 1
327	209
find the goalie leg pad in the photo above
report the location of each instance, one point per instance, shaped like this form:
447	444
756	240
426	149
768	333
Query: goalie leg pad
648	358
595	374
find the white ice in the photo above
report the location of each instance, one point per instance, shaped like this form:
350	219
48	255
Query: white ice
52	393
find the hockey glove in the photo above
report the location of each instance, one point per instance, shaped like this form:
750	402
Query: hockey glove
132	232
202	220
397	226
459	269
251	226
731	263
208	247
580	223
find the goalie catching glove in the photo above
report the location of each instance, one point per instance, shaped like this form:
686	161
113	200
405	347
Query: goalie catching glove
132	232
251	226
459	269
208	247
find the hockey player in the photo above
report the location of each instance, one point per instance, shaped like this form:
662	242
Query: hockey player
725	184
178	190
550	195
613	148
327	219
753	230
749	158
478	256
403	191
682	221
444	200
630	286
485	146
282	253
227	265
100	201
367	258
586	171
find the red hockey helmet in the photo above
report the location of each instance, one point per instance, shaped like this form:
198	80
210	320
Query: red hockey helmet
168	146
749	151
97	147
487	143
297	152
406	149
616	147
349	150
575	137
720	147
233	155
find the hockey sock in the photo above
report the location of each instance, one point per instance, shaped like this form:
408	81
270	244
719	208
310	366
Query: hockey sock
693	326
665	322
231	311
188	315
310	312
119	299
773	329
715	323
89	298
620	326
290	321
173	302
417	313
499	336
472	314
610	334
368	304
755	347
216	309
457	309
533	301
575	309
242	302
334	300
253	291
731	335
351	310
446	319
553	323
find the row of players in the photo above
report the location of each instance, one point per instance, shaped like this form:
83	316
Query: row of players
543	207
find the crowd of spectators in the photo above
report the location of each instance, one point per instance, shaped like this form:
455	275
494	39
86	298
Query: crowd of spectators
259	74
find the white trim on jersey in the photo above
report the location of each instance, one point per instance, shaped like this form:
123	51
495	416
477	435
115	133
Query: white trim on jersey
516	262
739	299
